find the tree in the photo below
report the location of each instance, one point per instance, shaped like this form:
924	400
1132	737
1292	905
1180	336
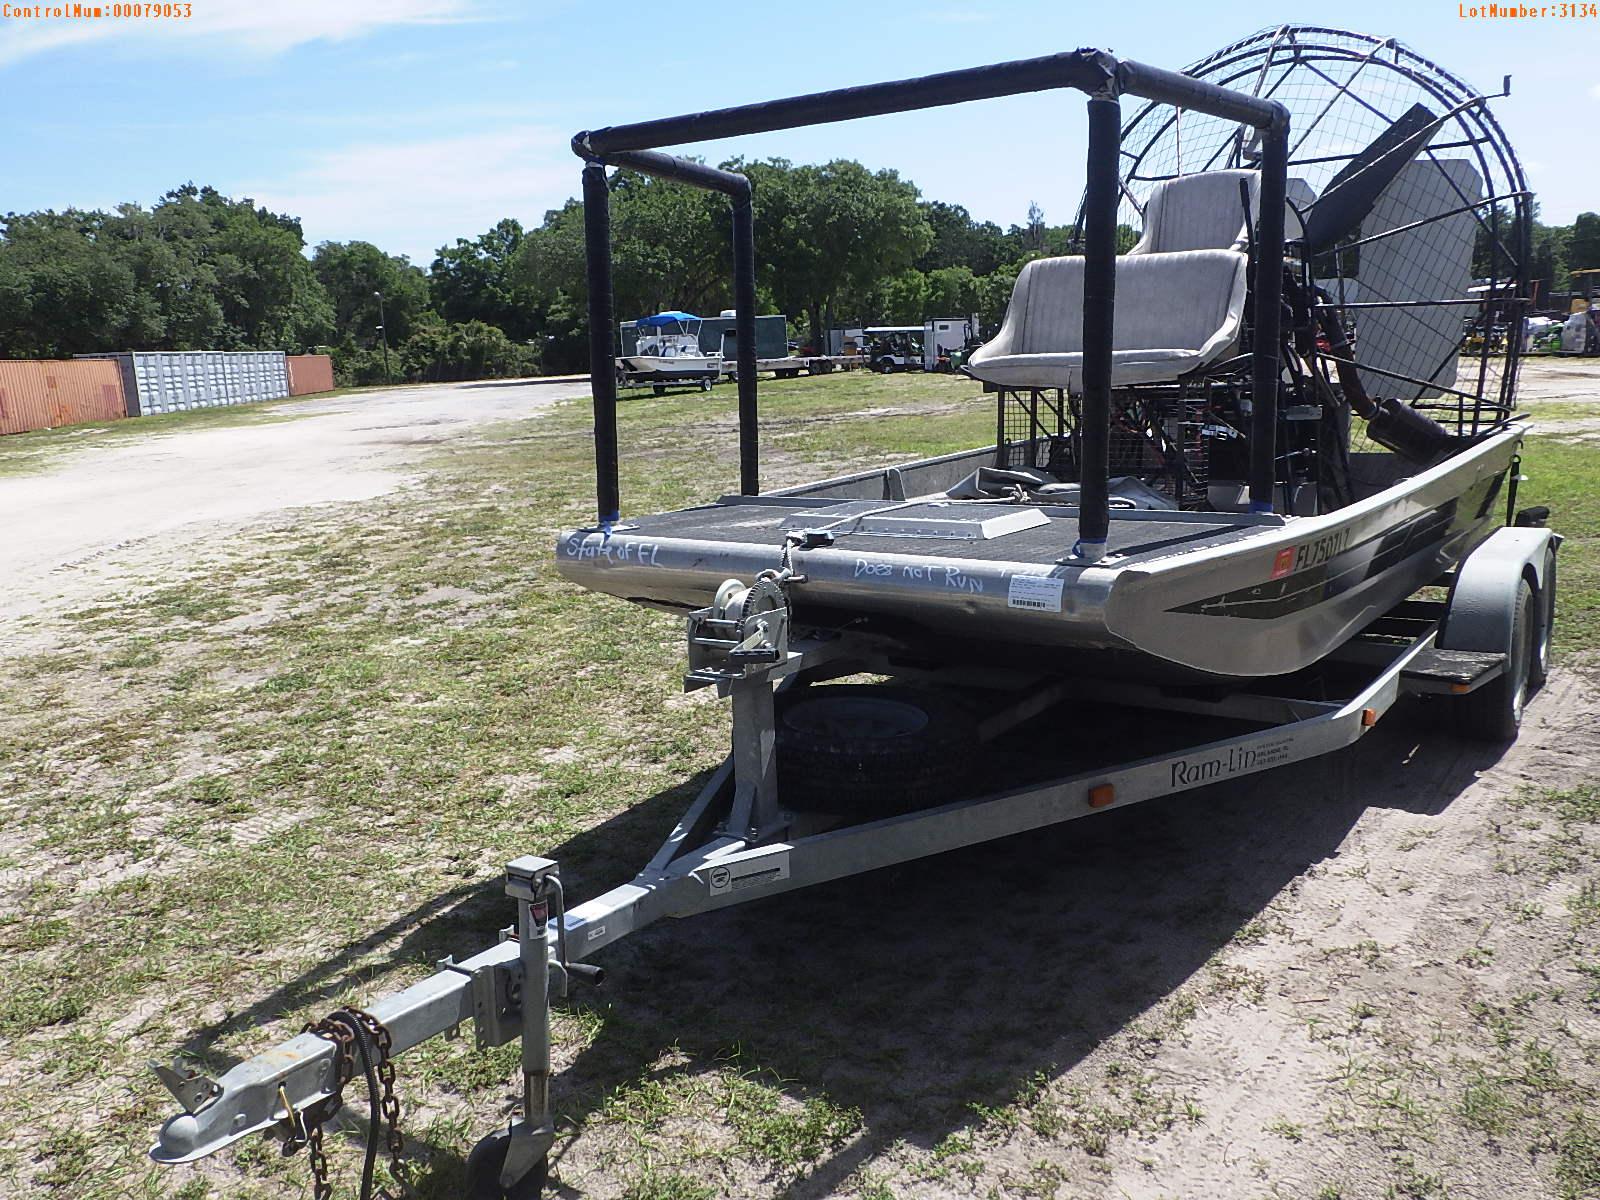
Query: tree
472	350
67	293
476	281
952	292
905	298
350	272
1033	234
832	234
994	293
959	241
1583	244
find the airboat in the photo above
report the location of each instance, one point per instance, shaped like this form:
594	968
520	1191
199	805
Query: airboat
1251	482
667	353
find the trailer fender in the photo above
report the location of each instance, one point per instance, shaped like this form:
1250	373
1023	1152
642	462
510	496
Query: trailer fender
1483	600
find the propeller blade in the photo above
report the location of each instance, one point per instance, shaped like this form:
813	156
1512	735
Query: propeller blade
1351	194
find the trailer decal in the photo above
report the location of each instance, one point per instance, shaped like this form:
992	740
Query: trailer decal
1237	760
748	873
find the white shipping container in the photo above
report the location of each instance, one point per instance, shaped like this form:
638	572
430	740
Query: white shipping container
165	381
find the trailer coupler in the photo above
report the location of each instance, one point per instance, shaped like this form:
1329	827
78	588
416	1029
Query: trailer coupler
291	1089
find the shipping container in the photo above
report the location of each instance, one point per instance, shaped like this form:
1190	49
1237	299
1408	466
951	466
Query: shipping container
310	373
166	381
42	394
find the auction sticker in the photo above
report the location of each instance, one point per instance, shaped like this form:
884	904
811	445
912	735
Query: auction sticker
1042	593
747	873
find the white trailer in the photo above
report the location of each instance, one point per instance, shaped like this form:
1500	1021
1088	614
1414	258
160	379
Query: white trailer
919	347
943	336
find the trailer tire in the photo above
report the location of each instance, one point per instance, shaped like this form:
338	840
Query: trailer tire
483	1172
659	389
1493	713
1539	658
871	749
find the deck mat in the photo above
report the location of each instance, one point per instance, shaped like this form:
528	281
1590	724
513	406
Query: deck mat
764	524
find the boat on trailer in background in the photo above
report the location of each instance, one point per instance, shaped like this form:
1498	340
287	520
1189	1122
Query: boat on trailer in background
1250	471
667	354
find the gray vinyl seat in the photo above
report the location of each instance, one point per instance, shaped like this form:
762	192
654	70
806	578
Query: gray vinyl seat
1199	212
1175	313
1180	294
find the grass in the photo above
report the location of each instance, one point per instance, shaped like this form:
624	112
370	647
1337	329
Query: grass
1566	477
213	831
211	795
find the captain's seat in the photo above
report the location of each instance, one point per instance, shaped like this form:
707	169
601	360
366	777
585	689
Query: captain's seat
1179	303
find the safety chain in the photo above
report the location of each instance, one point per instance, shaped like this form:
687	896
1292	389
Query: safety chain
352	1033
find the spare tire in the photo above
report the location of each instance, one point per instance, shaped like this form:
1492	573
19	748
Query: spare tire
870	750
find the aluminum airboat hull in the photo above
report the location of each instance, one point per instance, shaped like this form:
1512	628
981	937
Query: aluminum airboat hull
1180	593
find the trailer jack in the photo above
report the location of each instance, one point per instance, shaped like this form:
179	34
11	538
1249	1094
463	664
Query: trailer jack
293	1092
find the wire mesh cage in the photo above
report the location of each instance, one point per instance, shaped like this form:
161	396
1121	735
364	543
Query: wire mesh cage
1431	285
1161	436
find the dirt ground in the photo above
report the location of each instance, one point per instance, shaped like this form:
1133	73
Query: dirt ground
109	512
1372	977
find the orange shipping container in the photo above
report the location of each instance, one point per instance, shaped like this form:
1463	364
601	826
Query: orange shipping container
310	373
41	394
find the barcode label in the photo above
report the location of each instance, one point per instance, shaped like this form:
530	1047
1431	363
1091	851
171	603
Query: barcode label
1039	592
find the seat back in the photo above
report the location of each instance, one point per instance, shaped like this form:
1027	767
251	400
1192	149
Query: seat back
1199	212
1164	301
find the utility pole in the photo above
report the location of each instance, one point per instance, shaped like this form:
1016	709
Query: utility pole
384	334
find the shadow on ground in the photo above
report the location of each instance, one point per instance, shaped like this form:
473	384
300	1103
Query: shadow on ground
917	992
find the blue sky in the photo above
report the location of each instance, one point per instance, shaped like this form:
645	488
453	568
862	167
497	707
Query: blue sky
413	122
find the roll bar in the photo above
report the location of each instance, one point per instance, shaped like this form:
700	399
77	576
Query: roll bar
1099	74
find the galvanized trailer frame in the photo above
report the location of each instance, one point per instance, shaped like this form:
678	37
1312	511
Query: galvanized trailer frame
737	842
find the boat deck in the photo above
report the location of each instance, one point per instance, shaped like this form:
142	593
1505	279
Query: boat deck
765	520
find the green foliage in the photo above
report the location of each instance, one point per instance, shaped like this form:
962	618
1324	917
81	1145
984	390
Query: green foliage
358	366
830	235
959	241
196	271
353	273
905	298
475	281
1583	243
471	350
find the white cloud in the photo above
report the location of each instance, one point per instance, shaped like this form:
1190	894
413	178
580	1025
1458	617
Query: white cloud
413	197
260	26
1594	91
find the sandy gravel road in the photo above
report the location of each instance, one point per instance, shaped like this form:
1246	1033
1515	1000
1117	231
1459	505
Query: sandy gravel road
111	511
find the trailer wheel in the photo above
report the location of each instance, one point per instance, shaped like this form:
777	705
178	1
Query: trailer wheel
705	385
483	1172
660	389
871	749
885	365
1539	661
1493	713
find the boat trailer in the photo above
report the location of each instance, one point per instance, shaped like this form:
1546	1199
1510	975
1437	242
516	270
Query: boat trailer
738	842
1485	646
